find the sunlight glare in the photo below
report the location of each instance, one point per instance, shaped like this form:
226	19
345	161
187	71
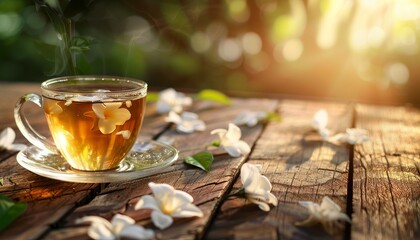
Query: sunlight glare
398	73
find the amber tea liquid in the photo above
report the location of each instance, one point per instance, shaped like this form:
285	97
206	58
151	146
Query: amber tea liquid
92	134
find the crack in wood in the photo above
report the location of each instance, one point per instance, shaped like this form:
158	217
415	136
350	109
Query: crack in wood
391	188
209	184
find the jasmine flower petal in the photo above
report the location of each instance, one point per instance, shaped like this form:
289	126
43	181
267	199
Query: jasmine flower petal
7	137
161	220
167	203
230	140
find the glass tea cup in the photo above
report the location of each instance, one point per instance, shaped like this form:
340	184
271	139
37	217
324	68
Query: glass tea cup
94	120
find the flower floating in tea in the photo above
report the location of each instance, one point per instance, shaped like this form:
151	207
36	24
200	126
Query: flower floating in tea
7	137
53	108
231	142
168	203
120	226
328	214
171	100
187	122
256	187
110	115
125	134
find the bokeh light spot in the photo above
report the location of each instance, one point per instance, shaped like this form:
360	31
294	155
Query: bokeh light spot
292	49
238	10
200	42
284	27
10	24
251	43
376	36
230	50
398	73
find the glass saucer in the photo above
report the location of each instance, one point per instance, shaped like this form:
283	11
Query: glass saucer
145	159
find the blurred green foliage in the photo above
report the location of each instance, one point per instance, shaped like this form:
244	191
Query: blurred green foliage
258	46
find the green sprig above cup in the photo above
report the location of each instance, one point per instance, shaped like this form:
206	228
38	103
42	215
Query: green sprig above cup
63	19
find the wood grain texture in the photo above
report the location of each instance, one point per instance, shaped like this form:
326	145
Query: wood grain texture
206	188
300	167
387	174
382	185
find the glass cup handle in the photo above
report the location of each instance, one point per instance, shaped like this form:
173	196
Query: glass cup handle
24	126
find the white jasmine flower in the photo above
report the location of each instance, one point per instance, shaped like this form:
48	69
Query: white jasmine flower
320	122
7	137
249	118
328	213
188	122
168	203
120	226
230	140
110	115
171	100
352	136
257	187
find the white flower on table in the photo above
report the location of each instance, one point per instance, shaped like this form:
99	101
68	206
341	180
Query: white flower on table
328	213
171	100
7	137
230	140
168	203
320	122
120	226
257	187
187	122
110	115
351	136
249	118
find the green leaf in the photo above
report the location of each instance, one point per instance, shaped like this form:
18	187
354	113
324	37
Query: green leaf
10	210
272	116
215	143
152	97
64	30
81	43
201	160
213	95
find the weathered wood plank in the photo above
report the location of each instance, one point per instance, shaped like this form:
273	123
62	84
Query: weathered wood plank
206	188
300	167
386	186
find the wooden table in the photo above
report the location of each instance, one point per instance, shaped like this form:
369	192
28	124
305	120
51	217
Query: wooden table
377	183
